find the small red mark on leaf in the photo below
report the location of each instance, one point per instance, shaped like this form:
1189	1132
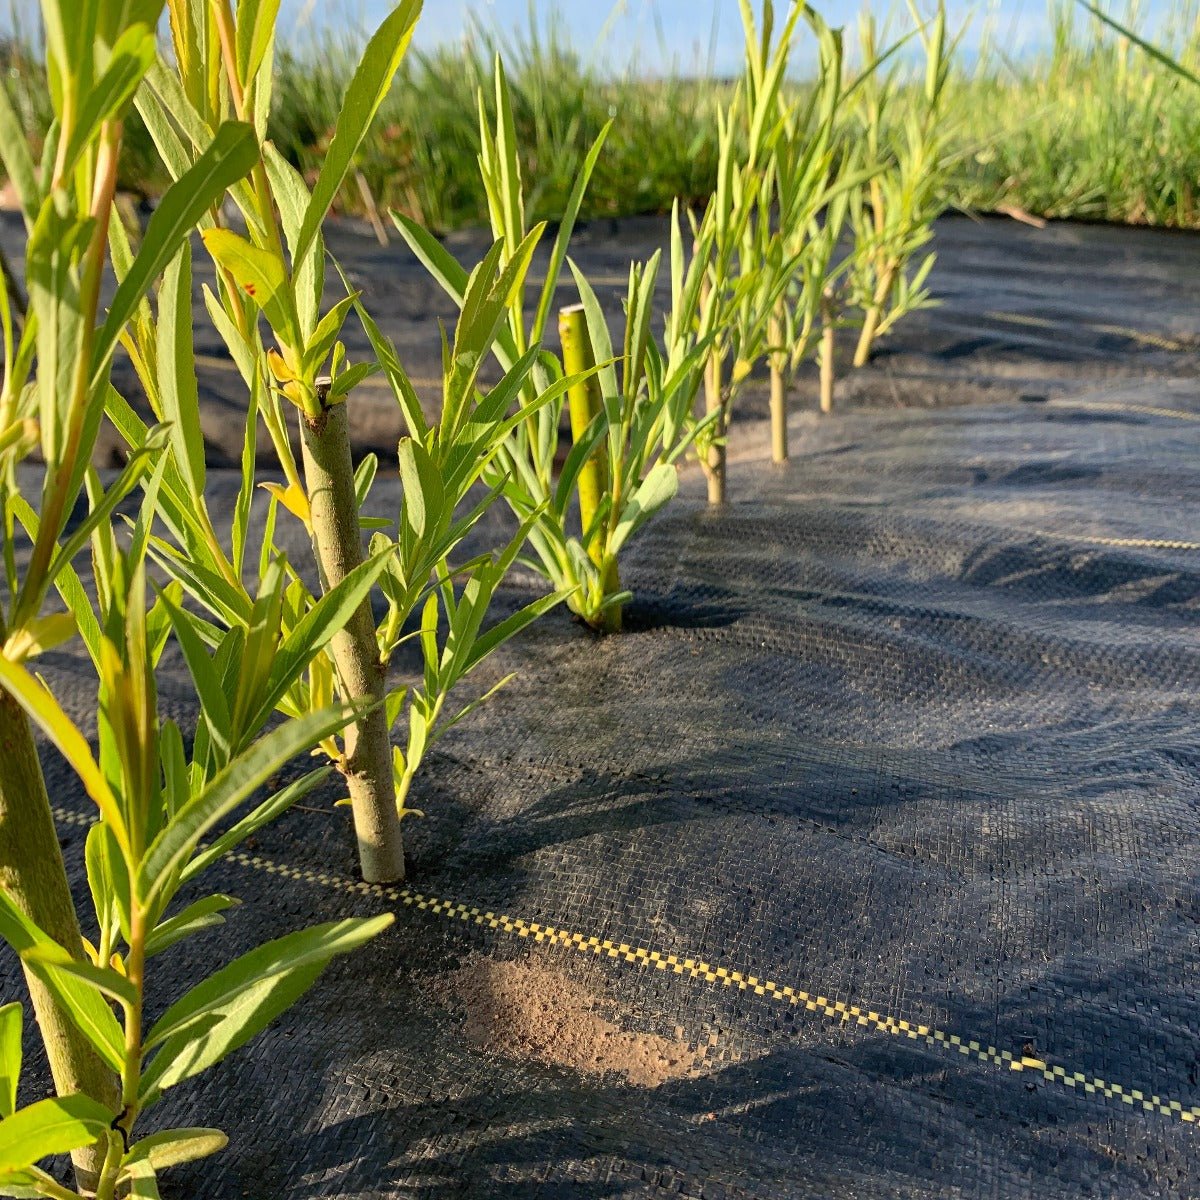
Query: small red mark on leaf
250	289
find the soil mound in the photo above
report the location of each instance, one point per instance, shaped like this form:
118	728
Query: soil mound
530	1009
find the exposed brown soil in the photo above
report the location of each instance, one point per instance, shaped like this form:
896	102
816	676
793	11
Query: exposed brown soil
532	1010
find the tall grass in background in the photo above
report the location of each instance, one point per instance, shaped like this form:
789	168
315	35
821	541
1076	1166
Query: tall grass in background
1080	128
1088	128
421	157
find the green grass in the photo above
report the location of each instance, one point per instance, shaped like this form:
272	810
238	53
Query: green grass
1090	128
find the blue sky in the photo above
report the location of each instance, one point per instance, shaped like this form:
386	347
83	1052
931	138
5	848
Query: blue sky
692	35
686	32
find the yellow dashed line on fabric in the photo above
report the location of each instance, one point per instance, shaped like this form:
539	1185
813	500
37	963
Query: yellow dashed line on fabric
1157	340
694	968
1148	410
1127	543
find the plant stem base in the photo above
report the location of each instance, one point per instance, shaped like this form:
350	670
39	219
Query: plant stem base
33	871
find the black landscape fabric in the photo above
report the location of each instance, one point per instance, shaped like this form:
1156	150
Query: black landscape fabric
887	805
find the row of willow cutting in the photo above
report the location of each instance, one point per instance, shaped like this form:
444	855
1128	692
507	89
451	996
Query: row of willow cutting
280	667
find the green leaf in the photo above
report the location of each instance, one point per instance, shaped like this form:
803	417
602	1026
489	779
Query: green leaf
233	152
389	360
372	80
329	615
18	162
509	628
308	276
107	98
104	979
177	370
659	486
424	498
173	1147
41	708
108	878
250	824
199	915
54	1126
83	1004
204	675
262	274
10	1057
562	239
1152	50
255	28
230	1007
232	786
327	332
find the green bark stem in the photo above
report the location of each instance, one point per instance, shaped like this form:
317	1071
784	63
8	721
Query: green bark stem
337	540
779	430
33	872
585	402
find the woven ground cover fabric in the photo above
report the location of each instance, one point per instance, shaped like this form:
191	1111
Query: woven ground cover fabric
886	808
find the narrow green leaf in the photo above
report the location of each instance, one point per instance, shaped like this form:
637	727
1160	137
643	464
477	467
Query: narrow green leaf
199	915
330	614
54	1126
230	1007
372	80
41	708
103	979
108	97
262	275
173	1147
232	786
659	486
18	162
85	1006
267	812
233	153
177	370
10	1057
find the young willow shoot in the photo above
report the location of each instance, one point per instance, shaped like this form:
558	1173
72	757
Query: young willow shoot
275	275
156	808
747	267
153	809
440	462
811	200
629	430
892	216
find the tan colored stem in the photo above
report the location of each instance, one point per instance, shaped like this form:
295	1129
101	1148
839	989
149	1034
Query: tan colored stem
33	872
779	389
368	199
825	360
714	465
337	541
870	329
866	339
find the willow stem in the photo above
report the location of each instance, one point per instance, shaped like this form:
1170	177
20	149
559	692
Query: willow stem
337	541
825	359
714	464
779	430
585	403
